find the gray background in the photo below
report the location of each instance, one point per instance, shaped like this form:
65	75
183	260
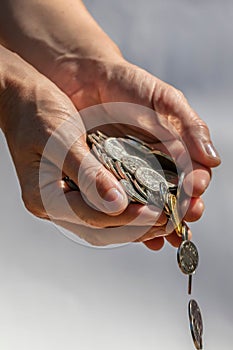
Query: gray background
57	294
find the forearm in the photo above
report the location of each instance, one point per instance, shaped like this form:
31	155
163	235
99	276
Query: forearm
49	33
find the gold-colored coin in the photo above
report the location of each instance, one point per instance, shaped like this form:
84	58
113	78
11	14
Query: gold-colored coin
174	214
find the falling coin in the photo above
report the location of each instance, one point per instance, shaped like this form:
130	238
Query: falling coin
196	324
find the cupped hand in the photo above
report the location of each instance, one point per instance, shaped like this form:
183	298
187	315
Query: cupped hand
43	128
173	126
47	141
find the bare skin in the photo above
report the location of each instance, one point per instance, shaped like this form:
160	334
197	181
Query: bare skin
89	68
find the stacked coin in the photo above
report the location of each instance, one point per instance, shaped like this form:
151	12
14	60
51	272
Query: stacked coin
140	170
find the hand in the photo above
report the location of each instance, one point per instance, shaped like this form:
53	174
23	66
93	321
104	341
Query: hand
122	81
93	71
47	141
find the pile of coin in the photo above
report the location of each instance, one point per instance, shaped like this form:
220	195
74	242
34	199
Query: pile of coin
151	177
140	170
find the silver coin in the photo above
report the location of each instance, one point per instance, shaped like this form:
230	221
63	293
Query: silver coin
149	178
130	178
171	178
113	169
179	187
140	189
105	160
154	198
114	148
120	170
102	135
136	149
97	153
95	141
95	137
129	189
163	191
187	257
132	163
139	143
196	323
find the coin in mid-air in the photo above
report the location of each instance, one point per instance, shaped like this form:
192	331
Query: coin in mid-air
187	257
196	324
149	178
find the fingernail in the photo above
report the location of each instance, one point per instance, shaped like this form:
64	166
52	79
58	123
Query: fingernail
211	151
113	195
114	200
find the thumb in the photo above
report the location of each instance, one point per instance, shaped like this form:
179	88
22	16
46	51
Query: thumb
97	185
66	148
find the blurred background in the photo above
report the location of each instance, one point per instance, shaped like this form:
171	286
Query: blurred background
57	294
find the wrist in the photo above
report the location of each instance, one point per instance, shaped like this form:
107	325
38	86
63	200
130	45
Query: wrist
18	84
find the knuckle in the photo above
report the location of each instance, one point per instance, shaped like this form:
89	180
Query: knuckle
93	222
179	94
170	98
197	127
87	176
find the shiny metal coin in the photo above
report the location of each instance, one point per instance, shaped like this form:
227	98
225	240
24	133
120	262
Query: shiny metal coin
113	169
180	184
163	191
132	163
171	179
129	189
149	178
140	189
94	140
139	143
135	149
114	148
120	170
101	135
196	324
105	160
187	257
154	198
97	153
